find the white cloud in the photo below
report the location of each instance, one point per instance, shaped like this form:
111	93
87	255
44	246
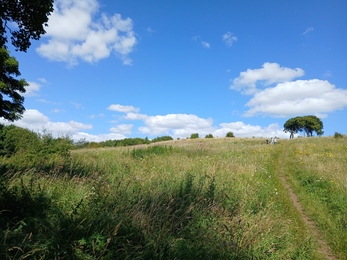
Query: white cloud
178	124
270	73
183	125
205	44
308	29
36	121
122	129
97	138
298	97
175	125
241	129
74	34
32	89
124	109
229	39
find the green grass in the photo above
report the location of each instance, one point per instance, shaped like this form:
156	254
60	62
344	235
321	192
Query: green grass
187	199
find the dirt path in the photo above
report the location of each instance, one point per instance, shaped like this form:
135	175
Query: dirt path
324	249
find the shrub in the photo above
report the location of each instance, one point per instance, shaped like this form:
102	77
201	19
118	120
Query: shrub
209	136
162	138
230	134
338	135
194	136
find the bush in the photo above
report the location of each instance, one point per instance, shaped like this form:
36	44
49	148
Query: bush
338	135
161	139
194	136
230	134
22	149
209	136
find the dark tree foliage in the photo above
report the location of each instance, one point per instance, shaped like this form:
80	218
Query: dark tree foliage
307	124
161	139
194	136
11	100
125	142
230	134
23	21
30	16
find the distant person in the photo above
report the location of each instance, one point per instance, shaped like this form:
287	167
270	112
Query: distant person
272	140
275	140
267	141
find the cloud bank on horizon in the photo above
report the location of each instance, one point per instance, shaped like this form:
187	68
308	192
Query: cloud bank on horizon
264	90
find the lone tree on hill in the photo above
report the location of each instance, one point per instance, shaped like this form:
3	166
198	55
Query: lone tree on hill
307	124
29	17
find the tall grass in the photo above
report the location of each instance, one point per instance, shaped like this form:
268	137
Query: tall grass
317	171
186	199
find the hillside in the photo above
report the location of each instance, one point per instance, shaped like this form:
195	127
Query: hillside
219	198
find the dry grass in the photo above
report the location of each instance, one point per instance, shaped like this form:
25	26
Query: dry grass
219	198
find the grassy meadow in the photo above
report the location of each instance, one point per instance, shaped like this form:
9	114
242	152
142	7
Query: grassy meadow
217	198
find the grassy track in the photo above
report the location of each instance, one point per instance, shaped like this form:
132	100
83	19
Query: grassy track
316	172
187	199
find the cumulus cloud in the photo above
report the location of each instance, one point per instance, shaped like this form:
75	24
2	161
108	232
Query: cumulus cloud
32	89
175	125
74	34
229	39
298	97
123	129
270	73
241	129
178	124
183	125
96	138
36	121
124	109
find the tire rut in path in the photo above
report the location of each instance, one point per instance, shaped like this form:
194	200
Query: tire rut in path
324	249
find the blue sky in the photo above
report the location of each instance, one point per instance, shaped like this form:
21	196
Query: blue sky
109	69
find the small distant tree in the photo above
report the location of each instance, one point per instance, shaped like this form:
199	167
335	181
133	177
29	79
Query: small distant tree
338	135
230	134
209	136
194	136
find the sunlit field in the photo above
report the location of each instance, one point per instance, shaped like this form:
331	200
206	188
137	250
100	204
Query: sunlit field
219	198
